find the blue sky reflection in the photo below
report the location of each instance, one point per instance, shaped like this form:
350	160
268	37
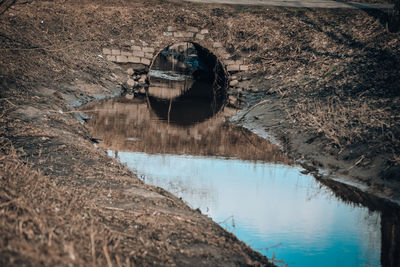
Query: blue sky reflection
272	207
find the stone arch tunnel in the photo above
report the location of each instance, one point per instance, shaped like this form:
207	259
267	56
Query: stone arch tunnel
141	55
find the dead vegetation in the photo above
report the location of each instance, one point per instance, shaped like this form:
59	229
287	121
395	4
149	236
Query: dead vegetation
114	221
337	73
43	224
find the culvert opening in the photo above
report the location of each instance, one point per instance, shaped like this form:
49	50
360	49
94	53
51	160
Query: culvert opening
187	84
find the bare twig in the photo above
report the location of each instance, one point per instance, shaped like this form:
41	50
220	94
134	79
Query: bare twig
109	263
358	162
93	249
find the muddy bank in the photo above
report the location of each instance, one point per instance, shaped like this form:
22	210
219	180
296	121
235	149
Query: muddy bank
63	201
266	116
76	204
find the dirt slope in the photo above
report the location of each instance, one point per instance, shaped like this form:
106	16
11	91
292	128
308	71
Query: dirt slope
64	201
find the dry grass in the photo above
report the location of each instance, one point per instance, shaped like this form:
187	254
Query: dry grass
336	71
42	223
349	121
45	223
337	74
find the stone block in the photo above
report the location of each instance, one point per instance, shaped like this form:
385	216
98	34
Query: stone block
229	62
145	61
232	99
188	34
233	67
244	67
115	52
200	36
142	90
137	53
233	83
111	58
148	55
132	59
148	49
168	33
106	51
143	79
129	96
130	82
217	44
126	53
204	31
239	62
136	48
122	59
130	71
192	29
171	29
178	34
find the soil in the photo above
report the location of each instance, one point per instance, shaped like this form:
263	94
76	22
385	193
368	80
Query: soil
342	171
64	201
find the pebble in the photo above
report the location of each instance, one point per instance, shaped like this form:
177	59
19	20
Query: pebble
233	83
142	79
130	71
130	82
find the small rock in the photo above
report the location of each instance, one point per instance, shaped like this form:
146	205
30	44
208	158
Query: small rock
142	90
200	36
130	82
233	83
142	79
232	99
128	96
130	71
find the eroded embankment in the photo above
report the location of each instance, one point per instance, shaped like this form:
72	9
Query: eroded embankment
64	201
80	206
313	151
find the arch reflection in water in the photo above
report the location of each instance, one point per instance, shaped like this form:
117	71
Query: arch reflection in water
271	204
187	84
187	109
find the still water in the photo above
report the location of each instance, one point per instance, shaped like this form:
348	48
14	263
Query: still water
176	137
243	182
272	207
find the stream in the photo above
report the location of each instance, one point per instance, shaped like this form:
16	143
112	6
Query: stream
176	137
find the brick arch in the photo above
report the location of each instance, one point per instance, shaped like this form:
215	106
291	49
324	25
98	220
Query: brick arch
144	54
220	74
199	45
